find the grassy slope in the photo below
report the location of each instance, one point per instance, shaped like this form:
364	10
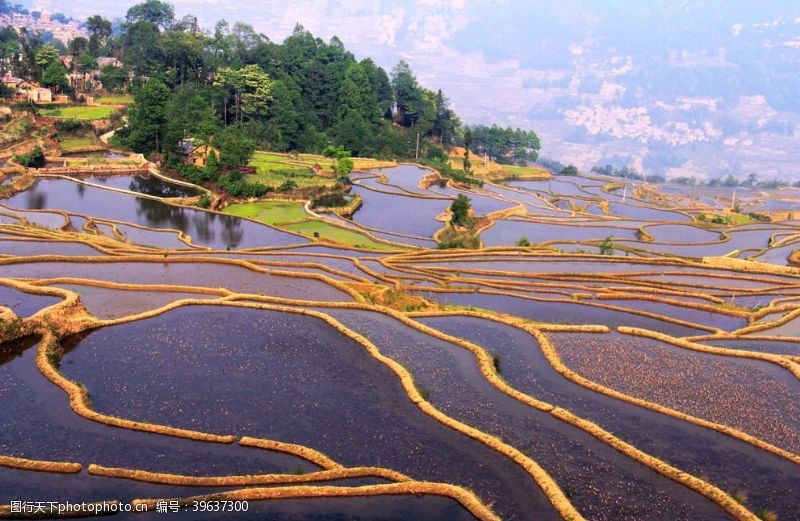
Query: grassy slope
279	212
336	234
76	142
79	112
270	212
114	100
274	169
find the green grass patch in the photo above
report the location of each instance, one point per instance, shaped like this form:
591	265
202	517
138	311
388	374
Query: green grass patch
270	212
523	171
306	160
730	218
327	231
274	169
79	112
114	100
277	178
76	142
279	212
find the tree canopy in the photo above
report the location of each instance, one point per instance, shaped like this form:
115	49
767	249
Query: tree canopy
299	95
505	145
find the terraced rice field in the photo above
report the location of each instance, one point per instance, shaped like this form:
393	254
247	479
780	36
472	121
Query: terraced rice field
331	368
80	112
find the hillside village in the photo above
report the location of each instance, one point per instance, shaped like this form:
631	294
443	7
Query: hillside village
63	31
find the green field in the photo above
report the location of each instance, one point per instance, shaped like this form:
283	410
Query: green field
336	234
731	218
270	212
275	169
79	112
523	170
76	142
283	213
114	100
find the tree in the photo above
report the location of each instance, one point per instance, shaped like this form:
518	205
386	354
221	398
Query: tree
10	48
408	95
569	170
284	121
221	46
358	114
55	76
342	164
381	86
343	167
33	159
460	210
235	147
46	55
142	49
113	77
523	242
506	145
147	117
183	56
445	122
189	114
251	89
212	163
160	14
76	47
187	24
86	63
467	144
607	247
99	32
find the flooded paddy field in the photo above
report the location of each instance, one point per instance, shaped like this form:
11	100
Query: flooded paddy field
450	374
219	354
108	303
24	304
755	396
760	345
148	185
20	247
560	312
205	228
506	233
198	274
37	423
729	463
338	388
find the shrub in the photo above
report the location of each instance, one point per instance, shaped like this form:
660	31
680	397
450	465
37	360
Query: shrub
69	125
460	209
241	190
767	515
336	199
33	159
425	393
287	186
204	201
607	247
524	242
740	496
449	245
193	174
496	363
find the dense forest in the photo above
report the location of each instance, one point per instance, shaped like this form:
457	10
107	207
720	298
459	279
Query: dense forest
303	94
